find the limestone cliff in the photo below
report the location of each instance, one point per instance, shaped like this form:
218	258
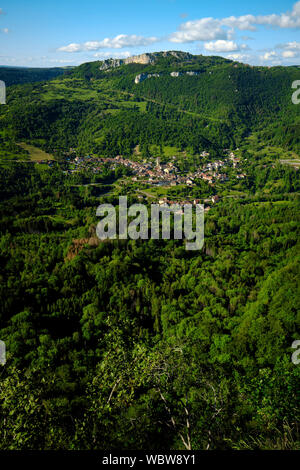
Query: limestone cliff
143	76
144	59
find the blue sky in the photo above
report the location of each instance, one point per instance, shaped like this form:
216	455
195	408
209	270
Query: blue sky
54	33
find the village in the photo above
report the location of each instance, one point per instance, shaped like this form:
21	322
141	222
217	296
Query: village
155	173
161	174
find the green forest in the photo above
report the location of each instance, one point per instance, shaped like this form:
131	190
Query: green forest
134	344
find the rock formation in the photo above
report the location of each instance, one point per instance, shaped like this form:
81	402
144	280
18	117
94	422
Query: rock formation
144	59
142	76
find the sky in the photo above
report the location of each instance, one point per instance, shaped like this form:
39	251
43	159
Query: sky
43	33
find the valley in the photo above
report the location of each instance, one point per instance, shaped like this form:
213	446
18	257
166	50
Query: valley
111	341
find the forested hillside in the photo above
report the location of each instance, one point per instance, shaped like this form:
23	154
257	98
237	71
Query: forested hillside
141	344
104	338
106	112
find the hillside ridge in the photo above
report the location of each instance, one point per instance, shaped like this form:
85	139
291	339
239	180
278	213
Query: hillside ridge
145	59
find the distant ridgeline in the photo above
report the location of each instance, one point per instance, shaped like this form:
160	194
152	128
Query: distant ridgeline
146	59
18	75
154	58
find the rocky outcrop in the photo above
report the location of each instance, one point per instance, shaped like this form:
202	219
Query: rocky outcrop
110	64
144	59
140	78
178	74
143	76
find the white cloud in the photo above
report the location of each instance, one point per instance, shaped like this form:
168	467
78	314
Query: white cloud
118	42
270	55
224	46
290	45
206	29
249	22
38	61
282	52
291	50
284	20
200	30
59	61
289	54
221	46
8	60
241	22
112	55
71	48
239	57
271	58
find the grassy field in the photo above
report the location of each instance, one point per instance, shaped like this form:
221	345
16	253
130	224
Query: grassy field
261	149
295	163
79	90
35	153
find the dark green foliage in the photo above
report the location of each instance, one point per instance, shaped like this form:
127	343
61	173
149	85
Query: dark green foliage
129	344
105	346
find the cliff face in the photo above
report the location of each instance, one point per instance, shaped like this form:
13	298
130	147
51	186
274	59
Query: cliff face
144	59
143	76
